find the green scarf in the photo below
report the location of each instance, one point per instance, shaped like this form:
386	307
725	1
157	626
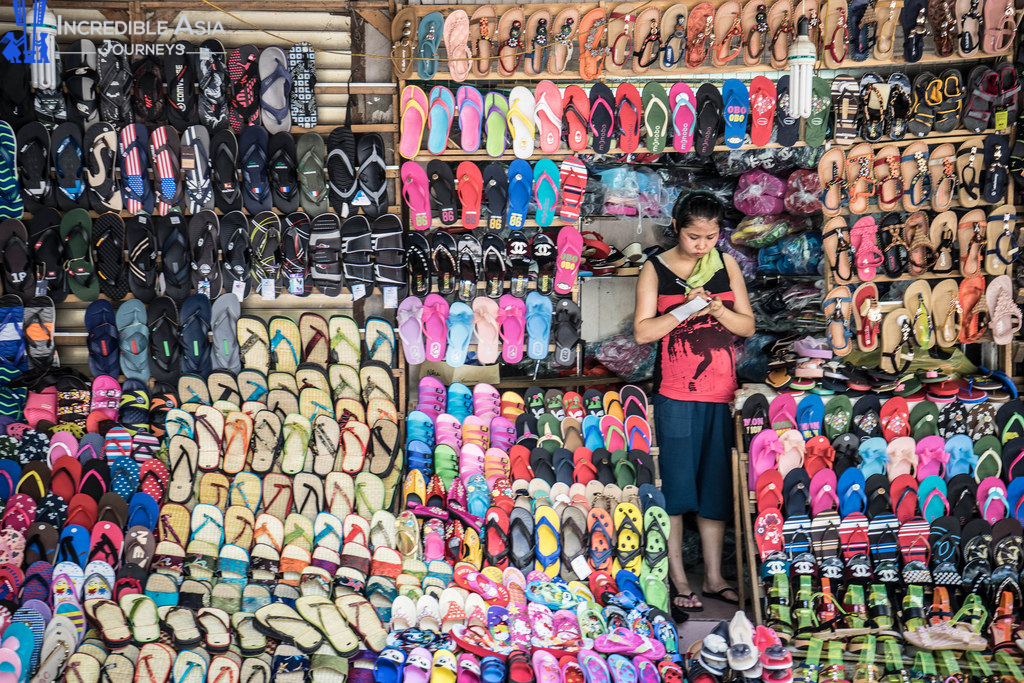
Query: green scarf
709	264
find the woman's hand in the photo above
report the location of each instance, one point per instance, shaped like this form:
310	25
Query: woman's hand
716	308
697	292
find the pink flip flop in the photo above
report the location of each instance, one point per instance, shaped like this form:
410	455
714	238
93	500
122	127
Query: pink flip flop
782	413
545	667
863	236
931	457
410	330
548	114
594	667
793	445
823	492
470	104
415	190
992	499
567	267
485	324
574	184
512	326
435	326
413	122
684	114
106	395
61	444
765	452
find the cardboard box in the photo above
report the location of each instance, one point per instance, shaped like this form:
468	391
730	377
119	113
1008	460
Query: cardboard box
467	374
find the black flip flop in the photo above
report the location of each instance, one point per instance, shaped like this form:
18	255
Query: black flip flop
325	254
787	128
518	264
545	253
180	77
469	258
80	80
566	332
252	148
602	117
495	178
212	79
421	268
114	88
443	253
294	253
227	193
148	94
108	246
755	417
282	167
69	167
494	266
341	170
709	119
44	235
18	266
100	160
442	191
196	315
389	252
140	241
175	258
34	165
357	250
372	174
235	251
204	246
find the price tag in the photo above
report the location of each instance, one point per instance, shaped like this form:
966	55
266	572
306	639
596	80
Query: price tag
296	285
391	297
41	287
360	199
204	287
358	291
238	289
1001	119
267	290
580	566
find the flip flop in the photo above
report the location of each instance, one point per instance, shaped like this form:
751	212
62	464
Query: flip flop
275	90
512	326
545	191
574	184
684	116
413	120
656	116
709	118
470	105
547	114
520	118
570	250
576	115
136	192
244	89
520	189
762	109
602	117
440	115
469	186
538	324
628	103
302	67
496	109
415	191
736	102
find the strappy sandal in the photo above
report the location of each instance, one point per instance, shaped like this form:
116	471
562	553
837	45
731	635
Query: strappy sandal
755	31
780	25
838	30
728	28
700	34
922	251
895	250
888	175
917	182
860	177
972	238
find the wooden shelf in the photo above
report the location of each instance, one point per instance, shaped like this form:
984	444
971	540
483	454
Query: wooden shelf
570	381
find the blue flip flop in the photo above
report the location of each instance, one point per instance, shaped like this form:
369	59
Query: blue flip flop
429	35
124	476
874	459
10	473
851	491
737	107
627	583
962	458
545	191
101	324
592	437
538	325
931	496
23	635
1015	499
460	329
10	190
809	415
74	545
143	511
440	114
520	189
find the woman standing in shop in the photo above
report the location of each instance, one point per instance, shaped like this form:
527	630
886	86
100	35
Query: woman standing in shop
692	300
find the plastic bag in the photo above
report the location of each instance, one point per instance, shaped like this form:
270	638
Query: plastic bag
622	355
746	258
803	251
759	194
803	193
760	231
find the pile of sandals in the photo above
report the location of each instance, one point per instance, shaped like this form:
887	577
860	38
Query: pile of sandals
632	39
542	490
881	523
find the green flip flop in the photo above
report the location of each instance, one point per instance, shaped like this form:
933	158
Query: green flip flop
821	103
655	592
656	116
495	123
76	231
656	530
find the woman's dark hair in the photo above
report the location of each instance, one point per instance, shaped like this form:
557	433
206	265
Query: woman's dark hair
697	205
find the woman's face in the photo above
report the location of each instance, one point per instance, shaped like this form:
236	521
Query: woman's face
698	237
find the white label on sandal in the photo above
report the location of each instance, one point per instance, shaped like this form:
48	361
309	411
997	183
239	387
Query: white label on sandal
267	289
204	288
358	291
360	199
580	566
238	289
296	285
41	287
391	297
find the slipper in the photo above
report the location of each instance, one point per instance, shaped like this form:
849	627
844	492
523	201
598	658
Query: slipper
512	326
574	184
413	120
545	192
602	117
136	192
520	189
566	332
538	325
656	116
590	32
817	124
575	117
736	102
204	238
460	329
684	116
244	88
302	68
570	250
341	170
415	191
709	116
1000	27
456	41
520	118
470	105
628	103
762	108
548	116
440	115
255	186
33	164
496	109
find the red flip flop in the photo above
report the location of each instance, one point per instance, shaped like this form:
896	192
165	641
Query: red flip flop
762	110
576	115
574	183
470	186
853	534
627	111
768	532
913	540
567	266
903	494
895	418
